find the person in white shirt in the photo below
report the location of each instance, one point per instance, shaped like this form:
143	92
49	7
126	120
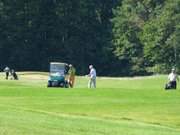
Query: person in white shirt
172	77
7	70
92	75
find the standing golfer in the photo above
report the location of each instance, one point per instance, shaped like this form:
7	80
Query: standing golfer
172	79
71	73
7	70
92	75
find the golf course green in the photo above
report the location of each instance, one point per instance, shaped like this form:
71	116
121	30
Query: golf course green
118	106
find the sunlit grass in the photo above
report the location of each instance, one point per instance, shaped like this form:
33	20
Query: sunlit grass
119	106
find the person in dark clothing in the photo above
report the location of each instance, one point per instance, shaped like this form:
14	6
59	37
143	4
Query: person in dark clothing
14	75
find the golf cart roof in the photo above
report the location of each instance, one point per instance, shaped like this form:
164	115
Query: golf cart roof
58	67
58	63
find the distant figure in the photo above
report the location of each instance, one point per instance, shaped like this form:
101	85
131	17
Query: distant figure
92	75
71	73
172	77
7	70
14	75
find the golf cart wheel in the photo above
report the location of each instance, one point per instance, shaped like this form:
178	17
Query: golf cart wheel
49	84
66	84
61	84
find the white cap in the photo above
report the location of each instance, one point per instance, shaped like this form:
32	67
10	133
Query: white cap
90	66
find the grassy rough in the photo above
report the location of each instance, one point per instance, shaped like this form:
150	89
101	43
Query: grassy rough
119	106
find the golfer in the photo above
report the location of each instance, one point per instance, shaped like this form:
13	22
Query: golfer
172	77
71	73
7	70
92	76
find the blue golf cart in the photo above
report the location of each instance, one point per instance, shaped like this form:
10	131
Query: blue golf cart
57	75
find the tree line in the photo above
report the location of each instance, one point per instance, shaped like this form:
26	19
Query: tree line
119	37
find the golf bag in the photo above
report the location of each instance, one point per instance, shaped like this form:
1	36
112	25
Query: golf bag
14	75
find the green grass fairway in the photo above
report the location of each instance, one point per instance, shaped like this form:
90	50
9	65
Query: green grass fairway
119	106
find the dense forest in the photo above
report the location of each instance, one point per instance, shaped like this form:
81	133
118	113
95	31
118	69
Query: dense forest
119	37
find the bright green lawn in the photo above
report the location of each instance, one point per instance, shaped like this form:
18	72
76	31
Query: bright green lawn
119	106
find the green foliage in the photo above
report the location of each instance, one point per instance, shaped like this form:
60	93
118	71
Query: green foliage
149	30
159	36
119	37
35	32
127	24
